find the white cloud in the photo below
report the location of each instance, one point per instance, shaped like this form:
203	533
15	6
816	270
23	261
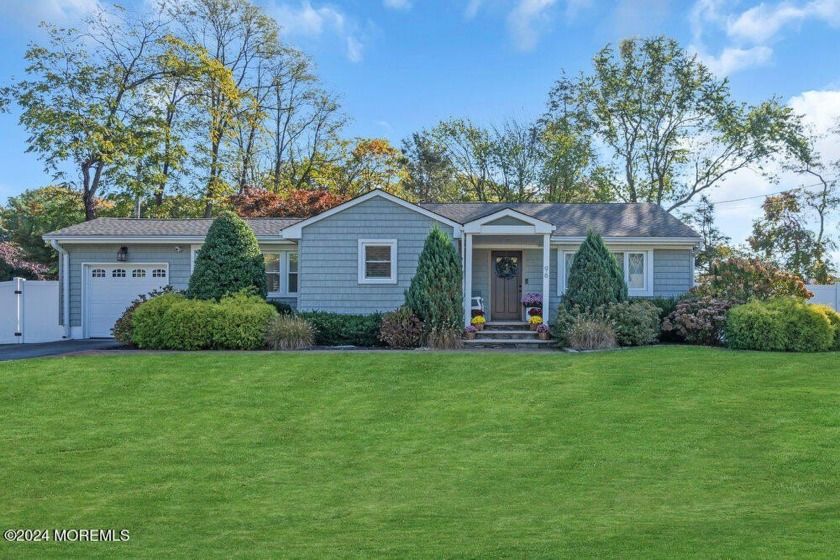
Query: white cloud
58	12
763	22
397	4
306	20
750	33
523	22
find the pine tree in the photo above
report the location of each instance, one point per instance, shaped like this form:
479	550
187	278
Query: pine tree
595	278
435	293
229	261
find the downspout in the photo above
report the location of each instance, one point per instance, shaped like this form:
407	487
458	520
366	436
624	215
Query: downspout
65	286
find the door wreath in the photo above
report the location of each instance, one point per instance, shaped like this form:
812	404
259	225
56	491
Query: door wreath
506	267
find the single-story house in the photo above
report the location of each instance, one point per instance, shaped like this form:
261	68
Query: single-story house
360	257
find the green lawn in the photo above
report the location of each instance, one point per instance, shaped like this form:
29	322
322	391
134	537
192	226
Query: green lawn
660	452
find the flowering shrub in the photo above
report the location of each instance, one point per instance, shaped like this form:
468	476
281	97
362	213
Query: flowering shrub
478	320
534	312
699	320
401	329
532	299
543	328
535	320
740	280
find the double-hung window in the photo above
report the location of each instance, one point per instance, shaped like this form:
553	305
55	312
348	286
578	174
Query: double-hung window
377	261
636	268
281	273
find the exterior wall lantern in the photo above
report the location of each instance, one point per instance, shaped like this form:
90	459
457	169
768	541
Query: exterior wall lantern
122	254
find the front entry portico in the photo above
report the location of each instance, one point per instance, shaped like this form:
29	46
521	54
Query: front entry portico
522	243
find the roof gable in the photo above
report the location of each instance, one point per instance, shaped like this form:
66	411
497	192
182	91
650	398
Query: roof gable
296	230
508	220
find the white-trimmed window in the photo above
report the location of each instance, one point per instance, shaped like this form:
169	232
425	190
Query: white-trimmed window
138	273
292	272
377	261
97	273
118	273
159	273
281	272
636	267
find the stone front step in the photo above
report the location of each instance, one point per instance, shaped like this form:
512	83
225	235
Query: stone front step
509	343
498	333
507	326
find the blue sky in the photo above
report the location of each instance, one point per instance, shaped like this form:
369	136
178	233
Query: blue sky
401	65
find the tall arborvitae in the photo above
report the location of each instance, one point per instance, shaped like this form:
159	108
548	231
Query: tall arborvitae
229	261
595	278
435	293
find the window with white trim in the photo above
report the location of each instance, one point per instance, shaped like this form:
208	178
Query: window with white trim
118	273
636	268
281	272
272	272
159	273
138	273
377	261
97	273
292	272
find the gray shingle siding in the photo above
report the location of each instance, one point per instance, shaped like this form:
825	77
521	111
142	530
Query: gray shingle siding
329	257
179	266
672	272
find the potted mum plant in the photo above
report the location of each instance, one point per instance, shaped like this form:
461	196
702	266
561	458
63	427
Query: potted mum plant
543	331
532	302
478	322
535	321
469	332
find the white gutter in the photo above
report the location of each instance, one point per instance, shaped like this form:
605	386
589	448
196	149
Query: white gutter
65	286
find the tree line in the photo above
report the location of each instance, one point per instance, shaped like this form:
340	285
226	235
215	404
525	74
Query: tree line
184	108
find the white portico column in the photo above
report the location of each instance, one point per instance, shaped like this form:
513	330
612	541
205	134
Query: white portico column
468	263
546	275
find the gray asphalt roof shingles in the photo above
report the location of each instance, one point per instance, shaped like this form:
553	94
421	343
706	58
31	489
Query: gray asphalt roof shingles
575	220
571	220
130	227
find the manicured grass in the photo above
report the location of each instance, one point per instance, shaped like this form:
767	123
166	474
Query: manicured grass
660	452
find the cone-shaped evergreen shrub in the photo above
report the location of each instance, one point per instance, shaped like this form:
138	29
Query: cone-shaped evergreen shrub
595	278
229	261
435	292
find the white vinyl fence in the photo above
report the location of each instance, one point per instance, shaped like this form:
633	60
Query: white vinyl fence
29	311
827	295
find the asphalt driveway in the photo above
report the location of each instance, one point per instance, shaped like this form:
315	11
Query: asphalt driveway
23	351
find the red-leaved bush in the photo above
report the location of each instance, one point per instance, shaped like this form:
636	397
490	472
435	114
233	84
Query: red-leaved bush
13	262
699	320
295	203
741	280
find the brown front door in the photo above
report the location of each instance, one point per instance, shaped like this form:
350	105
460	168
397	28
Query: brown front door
505	293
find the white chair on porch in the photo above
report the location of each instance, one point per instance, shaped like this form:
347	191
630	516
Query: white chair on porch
477	303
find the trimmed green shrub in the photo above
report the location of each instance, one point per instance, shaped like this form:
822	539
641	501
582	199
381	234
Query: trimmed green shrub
188	325
229	261
635	323
699	320
334	329
401	329
287	332
833	318
123	329
591	334
595	278
148	318
241	322
435	294
781	324
281	307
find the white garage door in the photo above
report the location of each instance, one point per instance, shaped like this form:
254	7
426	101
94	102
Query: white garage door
109	290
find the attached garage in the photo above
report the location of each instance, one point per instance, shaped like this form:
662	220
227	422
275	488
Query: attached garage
108	289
